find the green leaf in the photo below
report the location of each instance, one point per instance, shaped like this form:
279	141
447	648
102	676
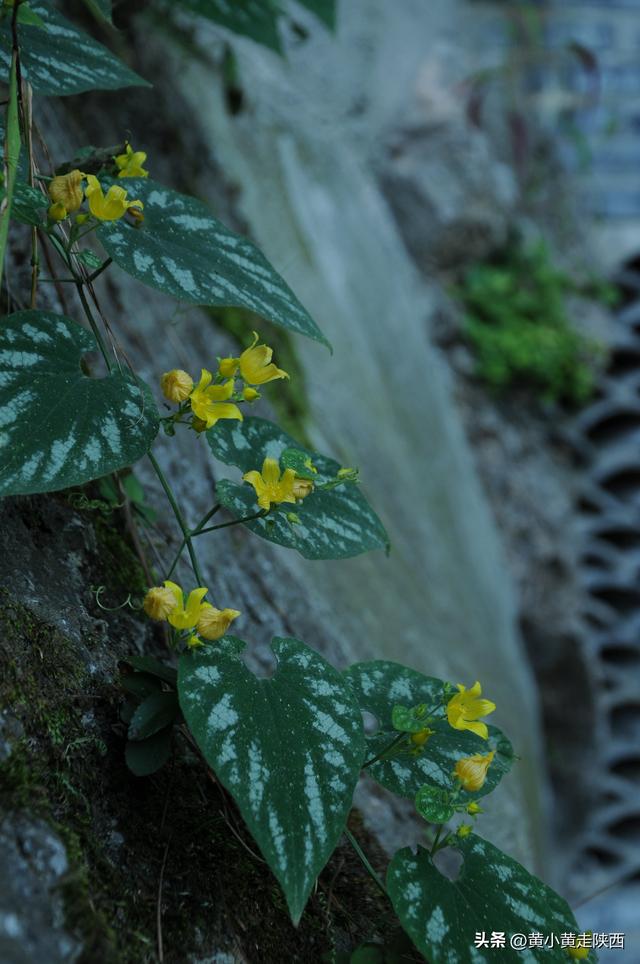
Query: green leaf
409	719
493	892
58	427
288	748
256	19
28	16
325	10
183	250
434	805
299	461
153	714
90	259
334	524
378	686
11	156
29	204
61	59
147	664
140	684
144	757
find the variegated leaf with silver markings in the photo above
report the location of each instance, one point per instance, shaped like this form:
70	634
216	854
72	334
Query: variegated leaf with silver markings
183	250
335	523
257	19
59	427
380	685
61	59
288	748
454	921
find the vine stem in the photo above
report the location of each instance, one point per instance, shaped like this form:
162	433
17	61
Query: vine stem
233	522
179	517
374	759
193	532
363	857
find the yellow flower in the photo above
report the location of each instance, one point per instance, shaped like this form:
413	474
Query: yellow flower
464	830
130	163
214	623
270	486
465	708
209	402
159	602
472	770
194	641
578	952
176	385
250	394
57	211
110	207
256	366
228	367
421	737
185	617
302	487
66	189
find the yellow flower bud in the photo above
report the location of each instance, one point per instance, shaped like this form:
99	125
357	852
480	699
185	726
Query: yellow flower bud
137	216
57	211
474	808
176	385
228	367
66	189
81	218
250	394
464	830
302	487
471	771
194	641
159	602
421	737
214	623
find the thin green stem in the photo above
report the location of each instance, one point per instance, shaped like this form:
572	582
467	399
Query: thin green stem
179	517
94	325
374	759
434	845
193	532
363	857
98	271
234	522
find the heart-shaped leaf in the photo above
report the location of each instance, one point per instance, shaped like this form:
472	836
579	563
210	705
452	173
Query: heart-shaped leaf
57	426
335	523
60	59
144	757
183	250
153	714
453	921
380	685
250	18
434	805
288	748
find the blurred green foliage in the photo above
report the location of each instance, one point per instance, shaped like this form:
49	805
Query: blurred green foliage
517	323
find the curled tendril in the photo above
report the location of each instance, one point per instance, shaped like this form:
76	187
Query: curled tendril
97	592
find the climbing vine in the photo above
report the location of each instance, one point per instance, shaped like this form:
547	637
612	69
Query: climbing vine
289	749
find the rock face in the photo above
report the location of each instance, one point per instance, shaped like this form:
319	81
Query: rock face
300	177
453	200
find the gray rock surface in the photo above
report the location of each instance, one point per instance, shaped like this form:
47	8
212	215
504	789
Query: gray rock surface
34	862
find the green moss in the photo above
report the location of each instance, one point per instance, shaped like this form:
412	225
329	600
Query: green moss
517	323
287	397
69	770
